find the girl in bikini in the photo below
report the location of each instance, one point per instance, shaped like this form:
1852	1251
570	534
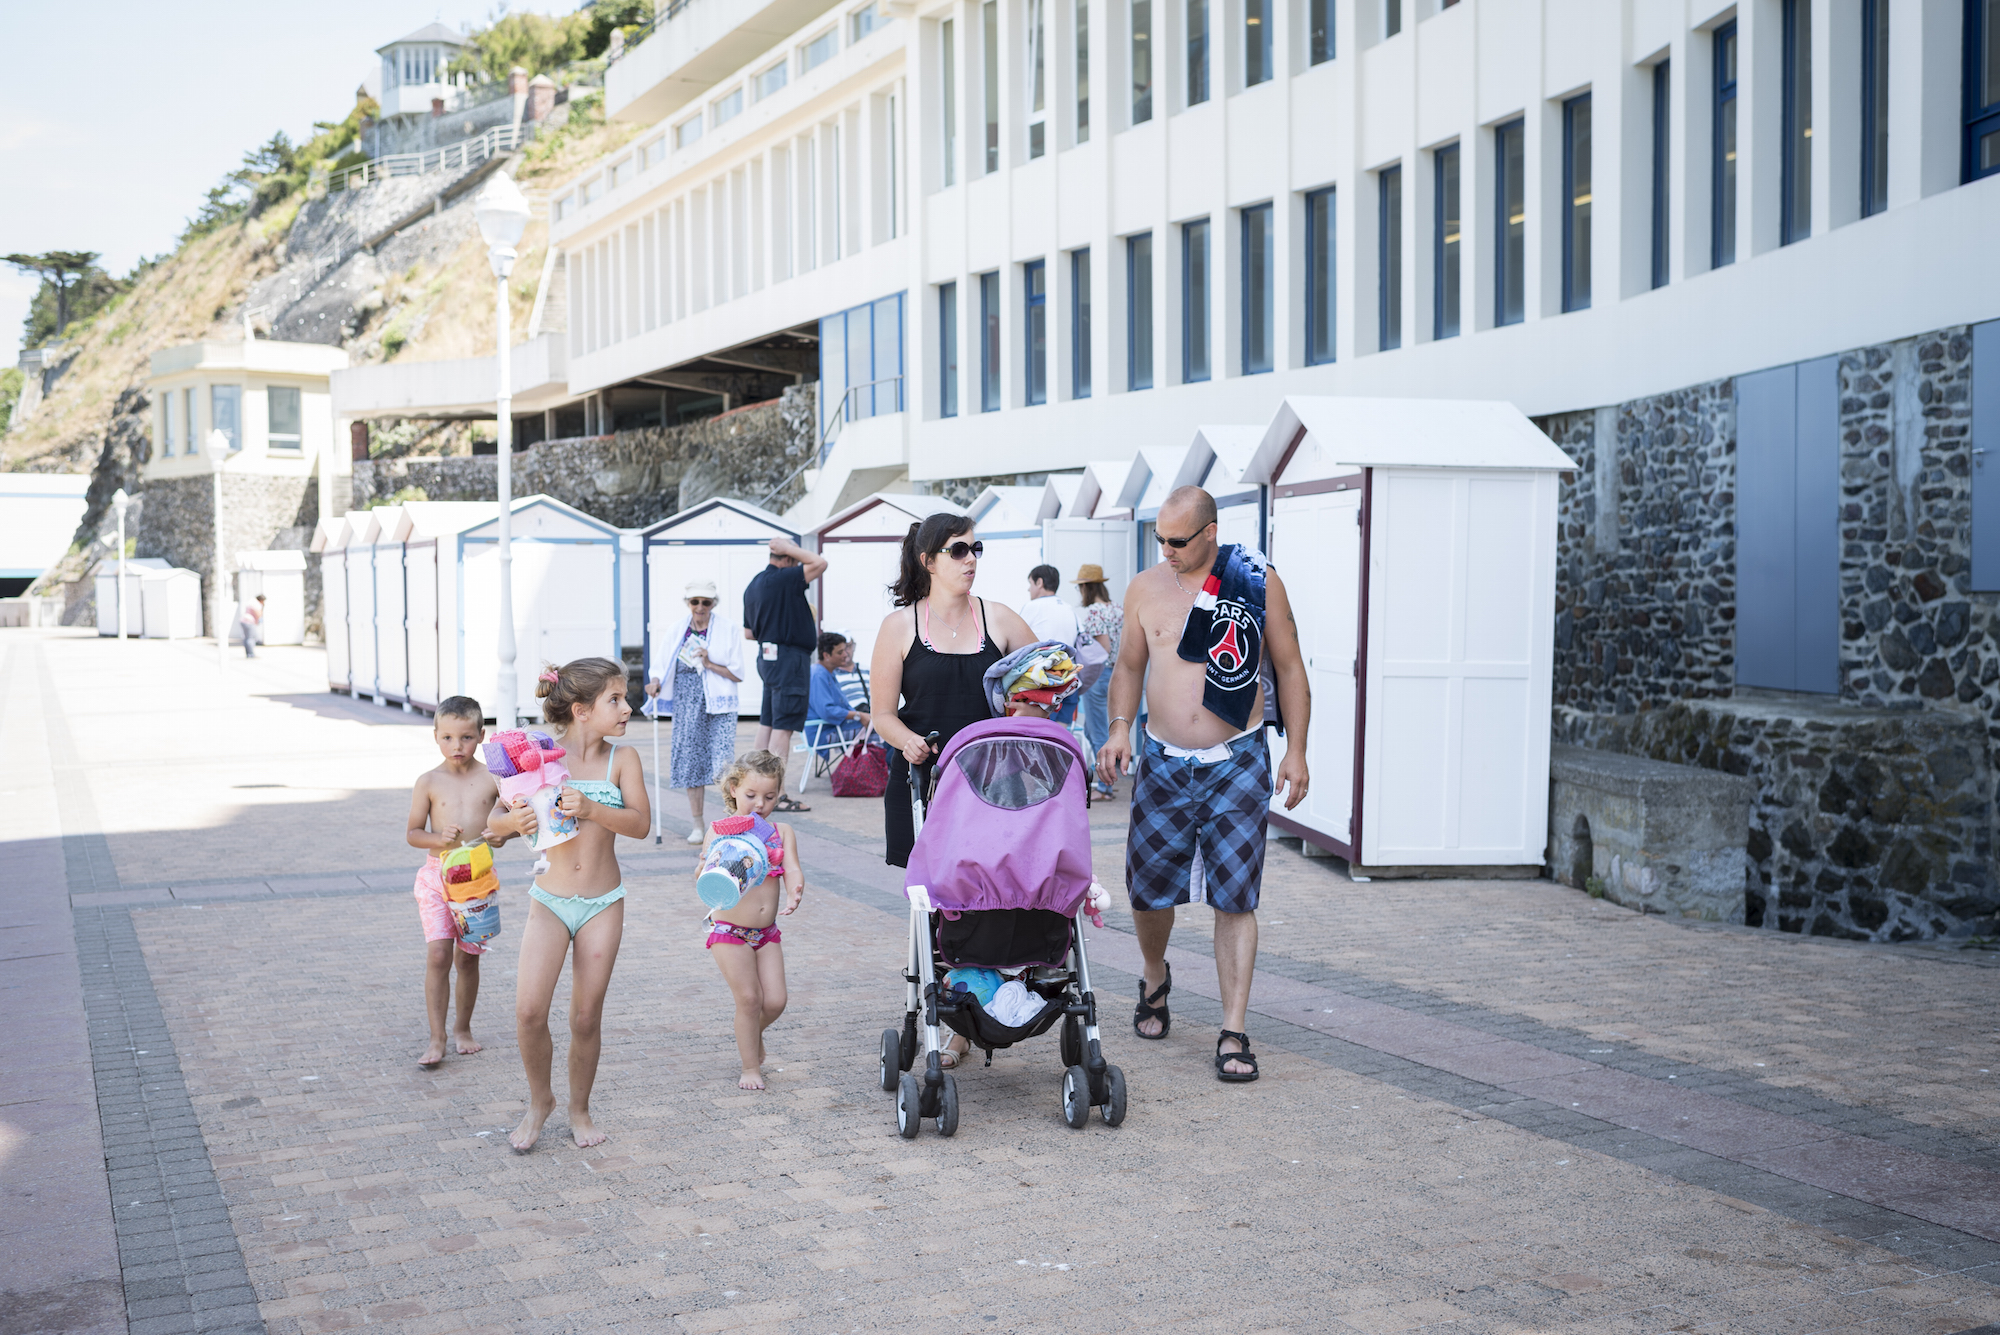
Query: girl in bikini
746	945
578	907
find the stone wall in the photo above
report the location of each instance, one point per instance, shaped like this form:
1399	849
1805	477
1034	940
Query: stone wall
632	478
259	513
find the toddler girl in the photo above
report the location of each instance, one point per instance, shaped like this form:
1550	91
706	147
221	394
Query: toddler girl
746	942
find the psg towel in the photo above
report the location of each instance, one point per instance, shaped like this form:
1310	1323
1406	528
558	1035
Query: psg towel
1225	630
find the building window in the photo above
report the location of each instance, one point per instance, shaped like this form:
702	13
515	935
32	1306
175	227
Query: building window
1142	61
1082	71
1446	229
1194	301
170	425
225	413
1038	117
1319	31
820	49
1874	106
283	405
767	83
989	15
1392	17
194	441
947	349
1319	277
1576	204
1197	51
1662	127
1139	311
1795	163
866	20
1259	275
684	134
729	108
989	342
1079	323
1982	88
948	72
1389	258
1035	325
1722	189
1509	224
1256	42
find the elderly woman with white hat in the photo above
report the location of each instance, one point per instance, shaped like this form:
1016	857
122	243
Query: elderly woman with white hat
702	664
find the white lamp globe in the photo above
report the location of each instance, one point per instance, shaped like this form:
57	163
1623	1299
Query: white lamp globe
218	449
502	213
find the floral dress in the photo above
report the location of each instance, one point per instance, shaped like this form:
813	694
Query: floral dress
702	744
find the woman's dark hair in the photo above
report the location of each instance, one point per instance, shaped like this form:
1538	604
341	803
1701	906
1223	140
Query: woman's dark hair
1093	592
925	539
577	683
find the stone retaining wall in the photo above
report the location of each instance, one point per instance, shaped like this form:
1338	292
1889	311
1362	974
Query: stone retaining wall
259	513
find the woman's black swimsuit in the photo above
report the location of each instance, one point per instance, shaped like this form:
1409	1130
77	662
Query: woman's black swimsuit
941	693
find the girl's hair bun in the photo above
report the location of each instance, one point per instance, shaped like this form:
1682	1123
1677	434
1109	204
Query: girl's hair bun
545	684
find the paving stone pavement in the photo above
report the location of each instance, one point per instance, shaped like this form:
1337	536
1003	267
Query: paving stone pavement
1363	1184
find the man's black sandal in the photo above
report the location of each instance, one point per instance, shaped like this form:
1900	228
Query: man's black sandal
1146	1010
1247	1057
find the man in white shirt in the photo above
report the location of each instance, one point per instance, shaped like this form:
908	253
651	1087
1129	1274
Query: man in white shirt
1052	619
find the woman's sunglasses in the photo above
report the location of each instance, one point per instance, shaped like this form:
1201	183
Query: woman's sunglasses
701	602
958	551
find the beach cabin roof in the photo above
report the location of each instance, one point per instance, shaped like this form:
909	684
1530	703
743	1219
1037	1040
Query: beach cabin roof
422	520
1156	472
543	517
1012	509
324	533
886	514
721	519
378	525
1224	453
1059	491
1097	497
134	565
1322	436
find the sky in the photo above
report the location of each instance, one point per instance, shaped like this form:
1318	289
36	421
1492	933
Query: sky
113	126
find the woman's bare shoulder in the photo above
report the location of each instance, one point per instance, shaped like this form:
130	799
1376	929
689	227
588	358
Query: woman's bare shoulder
1010	631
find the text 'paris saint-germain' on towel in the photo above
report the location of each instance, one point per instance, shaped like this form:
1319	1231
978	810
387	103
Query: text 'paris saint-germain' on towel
1225	630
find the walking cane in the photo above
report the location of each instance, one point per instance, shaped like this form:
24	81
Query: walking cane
655	703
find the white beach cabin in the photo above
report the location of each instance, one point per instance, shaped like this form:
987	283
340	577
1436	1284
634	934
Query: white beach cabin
426	530
1093	529
1008	521
863	547
281	577
1428	624
719	539
389	631
106	580
330	543
171	599
1216	463
565	600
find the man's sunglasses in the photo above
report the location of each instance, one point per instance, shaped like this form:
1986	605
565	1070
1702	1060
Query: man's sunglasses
701	602
1178	543
958	551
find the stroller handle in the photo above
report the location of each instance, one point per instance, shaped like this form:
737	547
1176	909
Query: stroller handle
924	780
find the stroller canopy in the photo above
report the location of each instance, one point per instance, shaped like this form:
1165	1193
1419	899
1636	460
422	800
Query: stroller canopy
1009	822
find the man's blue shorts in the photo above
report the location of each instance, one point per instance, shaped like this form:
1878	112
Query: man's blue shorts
1198	830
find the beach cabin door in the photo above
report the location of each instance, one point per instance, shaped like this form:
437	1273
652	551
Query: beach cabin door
1069	543
420	586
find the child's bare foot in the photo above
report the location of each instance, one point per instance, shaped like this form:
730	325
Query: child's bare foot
466	1043
530	1130
433	1055
585	1130
750	1079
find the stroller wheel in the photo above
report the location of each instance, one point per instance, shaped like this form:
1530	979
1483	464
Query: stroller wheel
947	1113
1076	1096
1072	1041
891	1059
1114	1096
908	1098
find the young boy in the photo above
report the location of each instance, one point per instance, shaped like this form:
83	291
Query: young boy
450	801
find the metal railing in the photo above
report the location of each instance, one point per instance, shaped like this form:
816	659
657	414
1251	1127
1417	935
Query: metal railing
461	156
844	413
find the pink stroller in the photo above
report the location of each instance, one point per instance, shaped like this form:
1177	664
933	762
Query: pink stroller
996	881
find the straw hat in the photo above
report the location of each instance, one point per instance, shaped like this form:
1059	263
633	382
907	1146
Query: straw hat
1089	574
699	588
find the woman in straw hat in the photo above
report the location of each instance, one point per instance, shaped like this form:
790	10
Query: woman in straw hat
699	664
1102	621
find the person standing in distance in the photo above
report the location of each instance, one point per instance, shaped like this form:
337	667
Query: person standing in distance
777	615
1201	624
1052	619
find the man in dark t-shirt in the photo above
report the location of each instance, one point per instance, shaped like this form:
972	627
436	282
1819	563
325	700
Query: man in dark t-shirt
777	615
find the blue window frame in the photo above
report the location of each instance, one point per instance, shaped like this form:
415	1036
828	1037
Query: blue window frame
989	342
1256	42
948	350
1259	277
1722	168
1510	219
1079	323
1795	161
861	361
1319	31
1446	232
1576	204
1319	277
1194	301
1982	88
1035	328
1662	129
1139	311
1874	106
1389	257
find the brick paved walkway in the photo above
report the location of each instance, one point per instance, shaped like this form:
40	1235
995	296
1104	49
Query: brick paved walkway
1476	1114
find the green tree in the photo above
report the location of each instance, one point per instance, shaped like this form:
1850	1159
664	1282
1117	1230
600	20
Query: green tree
62	273
11	381
535	42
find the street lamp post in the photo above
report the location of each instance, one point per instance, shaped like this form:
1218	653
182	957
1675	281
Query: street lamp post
119	500
218	459
502	213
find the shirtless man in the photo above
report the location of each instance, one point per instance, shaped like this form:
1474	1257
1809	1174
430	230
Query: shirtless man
1199	806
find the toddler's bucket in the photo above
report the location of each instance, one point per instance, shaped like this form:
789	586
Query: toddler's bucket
734	864
477	920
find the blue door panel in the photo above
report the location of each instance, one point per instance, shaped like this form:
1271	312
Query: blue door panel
1986	456
1816	524
1766	536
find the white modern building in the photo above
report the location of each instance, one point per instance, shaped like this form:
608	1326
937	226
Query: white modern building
268	397
1026	234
